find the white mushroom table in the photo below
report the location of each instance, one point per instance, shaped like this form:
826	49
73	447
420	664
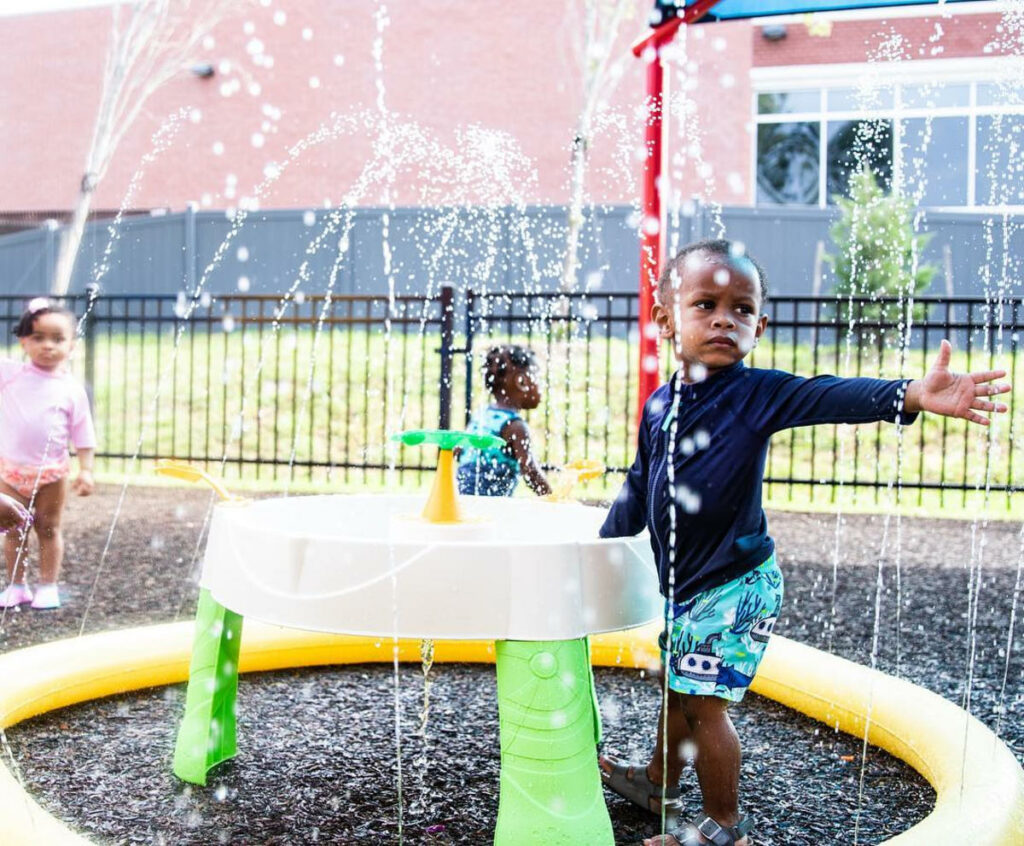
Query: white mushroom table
531	575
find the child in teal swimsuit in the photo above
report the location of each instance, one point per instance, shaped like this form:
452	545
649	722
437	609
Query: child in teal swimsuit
510	374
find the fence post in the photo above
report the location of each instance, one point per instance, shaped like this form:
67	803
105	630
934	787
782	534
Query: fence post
447	354
88	320
190	248
470	329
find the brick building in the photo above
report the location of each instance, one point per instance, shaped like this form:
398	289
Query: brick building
773	103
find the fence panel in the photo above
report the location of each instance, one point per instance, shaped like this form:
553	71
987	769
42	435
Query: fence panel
298	388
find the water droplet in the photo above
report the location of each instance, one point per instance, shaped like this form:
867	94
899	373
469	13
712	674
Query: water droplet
218	148
727	80
221	793
309	217
339	60
721	276
257	140
280	18
697	372
209	42
299	297
719	44
224	67
248	27
651	330
195	115
254	47
206	200
701	439
650	363
228	323
243	283
255	89
652	226
307	34
314	82
271	170
205	299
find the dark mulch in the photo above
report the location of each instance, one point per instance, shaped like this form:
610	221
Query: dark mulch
319	757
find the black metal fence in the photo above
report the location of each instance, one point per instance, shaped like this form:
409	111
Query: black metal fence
296	388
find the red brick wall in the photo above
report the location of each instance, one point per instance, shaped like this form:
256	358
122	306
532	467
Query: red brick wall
508	68
857	41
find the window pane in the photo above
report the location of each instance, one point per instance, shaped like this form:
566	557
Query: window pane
935	160
860	99
788	102
787	162
936	96
1000	178
853	144
1000	94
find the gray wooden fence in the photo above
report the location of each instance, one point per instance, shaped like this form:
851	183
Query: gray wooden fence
486	249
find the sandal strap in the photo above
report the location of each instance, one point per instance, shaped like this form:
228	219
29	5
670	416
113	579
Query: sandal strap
717	834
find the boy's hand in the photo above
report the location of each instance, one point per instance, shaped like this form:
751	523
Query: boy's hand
12	513
956	394
84	484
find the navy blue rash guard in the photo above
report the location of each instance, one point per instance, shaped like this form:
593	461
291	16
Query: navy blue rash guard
721	441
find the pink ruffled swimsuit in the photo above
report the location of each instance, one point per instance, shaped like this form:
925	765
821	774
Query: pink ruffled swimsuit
40	412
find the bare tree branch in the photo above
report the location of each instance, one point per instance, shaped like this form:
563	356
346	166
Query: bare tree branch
151	43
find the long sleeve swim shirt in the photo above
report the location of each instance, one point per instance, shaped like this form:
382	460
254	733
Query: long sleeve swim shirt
40	411
696	481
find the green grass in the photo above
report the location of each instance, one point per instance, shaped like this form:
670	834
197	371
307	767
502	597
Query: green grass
336	399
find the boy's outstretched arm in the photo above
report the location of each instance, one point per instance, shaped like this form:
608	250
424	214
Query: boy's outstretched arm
956	394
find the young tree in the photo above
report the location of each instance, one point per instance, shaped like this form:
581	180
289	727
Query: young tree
152	41
878	256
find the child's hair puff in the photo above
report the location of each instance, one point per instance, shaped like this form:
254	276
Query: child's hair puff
503	358
37	308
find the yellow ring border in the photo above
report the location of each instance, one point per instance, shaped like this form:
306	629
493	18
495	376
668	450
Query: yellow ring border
979	784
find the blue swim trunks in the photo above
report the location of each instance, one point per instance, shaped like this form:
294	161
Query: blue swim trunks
719	636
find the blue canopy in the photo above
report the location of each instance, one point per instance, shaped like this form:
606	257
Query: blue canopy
737	9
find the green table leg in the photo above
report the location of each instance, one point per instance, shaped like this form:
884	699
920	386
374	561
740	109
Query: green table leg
207	733
549	723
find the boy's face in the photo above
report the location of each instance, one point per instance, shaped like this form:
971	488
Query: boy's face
713	315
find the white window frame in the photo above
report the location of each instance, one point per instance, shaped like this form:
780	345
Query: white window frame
892	75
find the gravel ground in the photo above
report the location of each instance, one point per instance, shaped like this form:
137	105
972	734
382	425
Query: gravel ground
319	760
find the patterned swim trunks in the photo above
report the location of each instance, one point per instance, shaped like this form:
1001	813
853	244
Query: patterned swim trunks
719	636
27	479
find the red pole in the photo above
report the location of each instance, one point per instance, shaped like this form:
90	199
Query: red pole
650	230
650	227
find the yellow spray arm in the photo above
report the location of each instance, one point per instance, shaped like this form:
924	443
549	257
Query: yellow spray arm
190	473
570	475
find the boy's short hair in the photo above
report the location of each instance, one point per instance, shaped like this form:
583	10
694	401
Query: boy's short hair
502	358
37	308
720	247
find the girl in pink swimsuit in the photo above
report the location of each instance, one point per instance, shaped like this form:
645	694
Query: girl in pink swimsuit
42	408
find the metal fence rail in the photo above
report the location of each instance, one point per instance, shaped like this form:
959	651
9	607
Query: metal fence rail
311	388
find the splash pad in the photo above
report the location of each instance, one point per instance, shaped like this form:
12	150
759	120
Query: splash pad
548	720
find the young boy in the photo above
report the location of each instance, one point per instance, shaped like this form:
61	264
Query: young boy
696	485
